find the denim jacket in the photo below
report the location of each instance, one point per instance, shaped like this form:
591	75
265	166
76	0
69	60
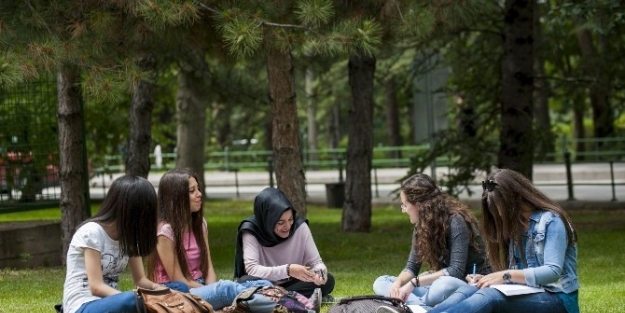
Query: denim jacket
551	261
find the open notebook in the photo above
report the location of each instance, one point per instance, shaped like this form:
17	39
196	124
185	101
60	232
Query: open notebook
515	290
416	309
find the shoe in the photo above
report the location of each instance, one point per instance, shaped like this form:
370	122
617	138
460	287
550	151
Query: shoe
385	309
328	299
315	300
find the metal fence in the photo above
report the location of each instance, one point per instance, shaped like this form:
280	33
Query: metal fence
29	172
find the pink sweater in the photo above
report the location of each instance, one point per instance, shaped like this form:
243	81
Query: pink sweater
270	262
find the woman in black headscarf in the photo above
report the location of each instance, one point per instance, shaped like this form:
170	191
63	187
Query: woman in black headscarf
275	244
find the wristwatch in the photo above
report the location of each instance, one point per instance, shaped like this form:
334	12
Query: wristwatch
507	278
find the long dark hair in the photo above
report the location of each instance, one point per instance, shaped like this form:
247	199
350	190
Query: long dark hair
130	204
505	193
174	208
435	209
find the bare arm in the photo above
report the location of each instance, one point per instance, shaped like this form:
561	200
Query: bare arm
138	274
95	277
211	276
167	254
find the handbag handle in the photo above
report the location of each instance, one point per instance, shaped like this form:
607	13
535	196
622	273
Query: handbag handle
138	297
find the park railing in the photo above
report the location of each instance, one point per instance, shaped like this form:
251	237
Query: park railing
590	150
570	152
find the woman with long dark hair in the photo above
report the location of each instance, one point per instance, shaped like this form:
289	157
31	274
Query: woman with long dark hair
183	253
119	234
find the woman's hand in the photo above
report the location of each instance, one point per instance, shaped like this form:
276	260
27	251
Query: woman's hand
400	292
405	291
490	279
473	279
321	274
301	272
393	292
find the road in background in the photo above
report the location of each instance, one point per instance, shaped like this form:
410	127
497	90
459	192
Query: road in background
592	182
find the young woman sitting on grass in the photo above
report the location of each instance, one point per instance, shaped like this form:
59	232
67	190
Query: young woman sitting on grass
277	245
531	241
445	237
123	231
183	253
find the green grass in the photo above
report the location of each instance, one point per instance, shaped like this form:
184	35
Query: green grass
355	259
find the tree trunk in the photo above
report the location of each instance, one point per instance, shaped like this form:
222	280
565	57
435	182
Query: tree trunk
287	156
334	125
74	200
516	136
140	139
311	114
466	121
392	116
545	136
602	114
578	128
357	206
192	99
220	124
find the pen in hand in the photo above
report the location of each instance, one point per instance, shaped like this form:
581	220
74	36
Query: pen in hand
473	277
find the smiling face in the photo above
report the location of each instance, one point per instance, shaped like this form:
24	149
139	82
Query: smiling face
283	226
195	195
410	209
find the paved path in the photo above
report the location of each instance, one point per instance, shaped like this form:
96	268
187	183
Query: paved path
592	183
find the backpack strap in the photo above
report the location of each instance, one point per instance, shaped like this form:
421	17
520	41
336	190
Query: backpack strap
394	301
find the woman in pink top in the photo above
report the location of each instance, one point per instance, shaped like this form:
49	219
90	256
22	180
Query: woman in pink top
275	244
182	251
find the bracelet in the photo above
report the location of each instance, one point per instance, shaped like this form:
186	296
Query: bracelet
413	283
288	270
418	281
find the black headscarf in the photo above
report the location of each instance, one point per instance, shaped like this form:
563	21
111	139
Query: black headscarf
269	205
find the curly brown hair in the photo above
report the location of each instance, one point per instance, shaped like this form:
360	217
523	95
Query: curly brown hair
435	210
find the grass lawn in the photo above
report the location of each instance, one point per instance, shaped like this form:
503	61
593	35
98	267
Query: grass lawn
355	259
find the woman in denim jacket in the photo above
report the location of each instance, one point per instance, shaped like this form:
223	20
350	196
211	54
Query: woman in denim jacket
530	241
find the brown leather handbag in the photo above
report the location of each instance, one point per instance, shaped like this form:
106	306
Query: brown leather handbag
166	300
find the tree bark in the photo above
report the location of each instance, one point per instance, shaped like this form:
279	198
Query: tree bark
357	206
602	113
578	128
192	99
334	125
392	116
546	137
290	176
74	199
516	136
467	119
140	139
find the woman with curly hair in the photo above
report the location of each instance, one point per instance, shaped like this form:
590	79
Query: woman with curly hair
531	242
445	237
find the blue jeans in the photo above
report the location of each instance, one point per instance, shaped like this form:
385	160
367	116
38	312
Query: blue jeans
178	286
469	299
221	294
123	302
430	295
